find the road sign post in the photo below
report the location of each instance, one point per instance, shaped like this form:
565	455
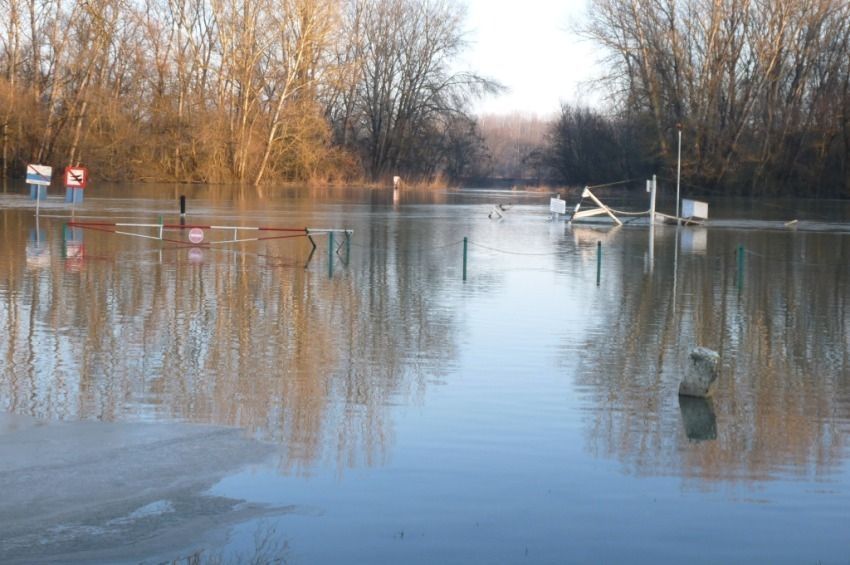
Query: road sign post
76	179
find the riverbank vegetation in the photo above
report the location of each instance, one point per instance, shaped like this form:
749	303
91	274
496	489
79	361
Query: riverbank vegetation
232	91
761	91
326	91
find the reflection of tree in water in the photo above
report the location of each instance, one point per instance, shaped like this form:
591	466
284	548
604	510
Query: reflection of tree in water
783	397
239	339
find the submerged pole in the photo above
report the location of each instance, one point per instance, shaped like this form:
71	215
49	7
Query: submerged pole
464	257
598	262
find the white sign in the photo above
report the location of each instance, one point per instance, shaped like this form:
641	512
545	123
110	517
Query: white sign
196	235
76	177
694	209
39	174
557	206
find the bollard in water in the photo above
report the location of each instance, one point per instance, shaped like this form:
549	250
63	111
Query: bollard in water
330	254
598	262
740	266
182	205
464	257
700	373
740	262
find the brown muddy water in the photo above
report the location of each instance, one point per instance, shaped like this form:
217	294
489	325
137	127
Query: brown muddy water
161	401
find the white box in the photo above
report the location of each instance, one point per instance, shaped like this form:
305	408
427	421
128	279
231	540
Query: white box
694	209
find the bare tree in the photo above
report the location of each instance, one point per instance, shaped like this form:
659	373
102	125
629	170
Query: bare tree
405	84
228	90
756	85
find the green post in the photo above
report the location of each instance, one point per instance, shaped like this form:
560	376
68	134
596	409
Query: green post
330	254
598	262
464	257
740	266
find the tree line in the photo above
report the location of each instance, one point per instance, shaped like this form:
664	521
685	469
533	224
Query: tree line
759	88
236	91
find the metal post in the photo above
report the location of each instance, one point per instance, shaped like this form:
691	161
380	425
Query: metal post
653	192
464	257
598	262
330	254
652	188
675	266
740	266
651	246
679	178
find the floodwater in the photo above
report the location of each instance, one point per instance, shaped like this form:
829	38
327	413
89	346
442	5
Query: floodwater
161	401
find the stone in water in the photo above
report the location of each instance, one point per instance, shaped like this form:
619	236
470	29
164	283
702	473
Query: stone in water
700	373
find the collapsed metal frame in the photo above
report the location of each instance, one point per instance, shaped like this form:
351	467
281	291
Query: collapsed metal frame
120	228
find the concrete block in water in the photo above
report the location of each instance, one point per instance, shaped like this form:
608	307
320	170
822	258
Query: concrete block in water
700	373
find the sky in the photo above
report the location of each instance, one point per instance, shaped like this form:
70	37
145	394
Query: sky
528	46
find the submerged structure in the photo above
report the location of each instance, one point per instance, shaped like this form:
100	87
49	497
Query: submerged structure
693	212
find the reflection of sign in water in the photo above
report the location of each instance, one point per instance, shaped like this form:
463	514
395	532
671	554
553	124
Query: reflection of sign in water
39	174
196	255
38	252
196	235
74	249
